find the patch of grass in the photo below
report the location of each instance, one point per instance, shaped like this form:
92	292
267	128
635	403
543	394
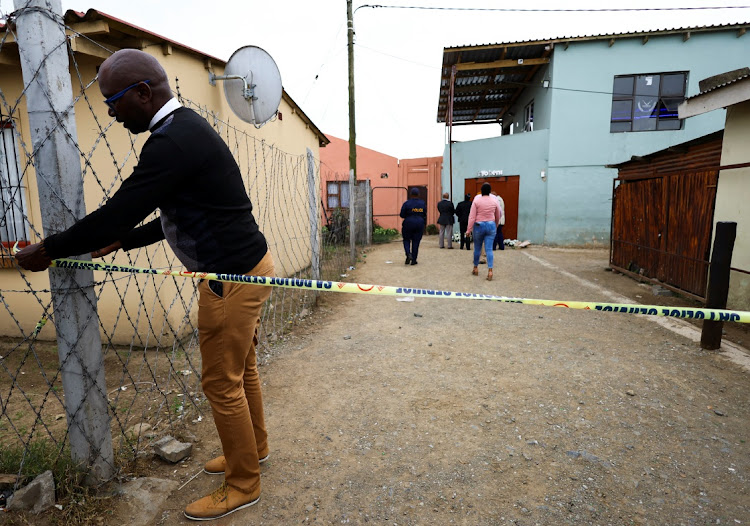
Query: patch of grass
81	504
39	456
177	405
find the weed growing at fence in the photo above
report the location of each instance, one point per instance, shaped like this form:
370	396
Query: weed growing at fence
384	235
79	503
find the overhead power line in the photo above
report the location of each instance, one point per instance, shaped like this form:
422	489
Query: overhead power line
554	10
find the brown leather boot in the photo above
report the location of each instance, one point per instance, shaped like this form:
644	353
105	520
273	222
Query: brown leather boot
222	502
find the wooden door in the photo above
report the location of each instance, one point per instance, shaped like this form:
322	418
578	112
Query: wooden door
505	186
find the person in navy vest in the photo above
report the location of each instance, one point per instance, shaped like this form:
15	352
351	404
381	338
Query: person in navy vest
414	212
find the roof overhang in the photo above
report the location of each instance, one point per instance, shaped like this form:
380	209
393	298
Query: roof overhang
721	97
485	81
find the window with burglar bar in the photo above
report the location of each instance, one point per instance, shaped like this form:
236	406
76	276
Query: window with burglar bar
13	226
647	102
338	194
528	117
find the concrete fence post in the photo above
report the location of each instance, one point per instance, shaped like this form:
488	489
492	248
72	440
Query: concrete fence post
718	282
44	62
312	197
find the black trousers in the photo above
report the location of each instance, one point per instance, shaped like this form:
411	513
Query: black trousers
465	238
412	234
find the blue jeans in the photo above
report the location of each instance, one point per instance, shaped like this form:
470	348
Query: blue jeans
484	232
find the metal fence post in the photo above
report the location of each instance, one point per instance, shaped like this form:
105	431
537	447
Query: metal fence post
718	282
368	213
352	221
43	50
312	197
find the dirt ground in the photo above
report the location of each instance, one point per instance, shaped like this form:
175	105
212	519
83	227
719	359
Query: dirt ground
447	411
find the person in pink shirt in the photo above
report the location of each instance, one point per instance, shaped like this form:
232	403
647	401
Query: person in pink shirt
483	220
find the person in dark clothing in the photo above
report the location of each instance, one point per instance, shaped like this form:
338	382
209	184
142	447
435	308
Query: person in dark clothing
414	212
187	171
445	220
463	209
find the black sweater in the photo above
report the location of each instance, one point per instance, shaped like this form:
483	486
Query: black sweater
187	171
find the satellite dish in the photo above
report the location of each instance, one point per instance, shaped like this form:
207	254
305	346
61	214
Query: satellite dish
252	85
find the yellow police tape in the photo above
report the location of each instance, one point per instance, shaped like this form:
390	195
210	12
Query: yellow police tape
383	290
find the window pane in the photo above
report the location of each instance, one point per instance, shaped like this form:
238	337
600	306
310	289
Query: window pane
645	113
647	84
12	194
622	110
670	124
344	195
333	188
673	85
619	126
333	201
623	86
668	108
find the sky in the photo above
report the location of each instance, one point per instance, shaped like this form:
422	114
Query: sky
397	53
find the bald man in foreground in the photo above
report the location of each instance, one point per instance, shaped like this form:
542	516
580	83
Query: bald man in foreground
187	172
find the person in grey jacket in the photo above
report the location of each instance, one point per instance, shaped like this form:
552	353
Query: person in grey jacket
445	221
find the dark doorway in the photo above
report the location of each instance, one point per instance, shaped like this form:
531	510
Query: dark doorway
506	186
422	192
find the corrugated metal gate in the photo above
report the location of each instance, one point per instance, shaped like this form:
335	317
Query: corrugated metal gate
662	215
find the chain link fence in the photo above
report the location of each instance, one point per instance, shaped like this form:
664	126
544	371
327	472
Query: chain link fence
126	342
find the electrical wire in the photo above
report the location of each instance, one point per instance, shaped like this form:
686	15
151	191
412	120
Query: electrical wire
554	10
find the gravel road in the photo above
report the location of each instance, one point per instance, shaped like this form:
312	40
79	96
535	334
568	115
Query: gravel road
444	411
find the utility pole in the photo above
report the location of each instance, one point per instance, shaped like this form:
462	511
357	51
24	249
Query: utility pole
352	128
352	135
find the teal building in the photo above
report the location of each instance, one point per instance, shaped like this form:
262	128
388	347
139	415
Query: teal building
567	108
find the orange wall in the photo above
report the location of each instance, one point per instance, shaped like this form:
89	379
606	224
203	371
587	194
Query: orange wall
389	193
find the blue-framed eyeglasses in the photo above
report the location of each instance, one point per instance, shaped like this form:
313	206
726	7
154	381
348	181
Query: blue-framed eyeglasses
117	96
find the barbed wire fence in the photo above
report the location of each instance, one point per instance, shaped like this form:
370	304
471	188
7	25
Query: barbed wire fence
86	360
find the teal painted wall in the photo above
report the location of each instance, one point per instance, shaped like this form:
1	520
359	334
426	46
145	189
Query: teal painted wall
580	145
579	121
522	154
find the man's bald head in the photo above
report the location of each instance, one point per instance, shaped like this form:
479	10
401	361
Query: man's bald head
127	68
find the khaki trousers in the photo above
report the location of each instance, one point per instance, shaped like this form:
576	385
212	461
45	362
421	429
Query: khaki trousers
228	334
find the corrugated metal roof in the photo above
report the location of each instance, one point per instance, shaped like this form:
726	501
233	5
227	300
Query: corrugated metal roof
489	78
595	36
714	88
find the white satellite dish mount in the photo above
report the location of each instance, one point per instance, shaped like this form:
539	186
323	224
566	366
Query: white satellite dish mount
252	85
